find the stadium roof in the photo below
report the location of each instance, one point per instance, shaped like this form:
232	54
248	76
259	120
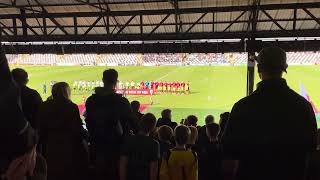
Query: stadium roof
161	20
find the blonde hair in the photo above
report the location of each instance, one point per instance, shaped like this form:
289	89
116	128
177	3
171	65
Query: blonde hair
193	136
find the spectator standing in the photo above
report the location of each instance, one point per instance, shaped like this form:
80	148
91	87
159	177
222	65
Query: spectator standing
180	163
107	117
224	117
30	98
273	131
165	135
17	152
140	153
191	120
193	138
135	106
61	136
210	155
166	119
137	115
203	138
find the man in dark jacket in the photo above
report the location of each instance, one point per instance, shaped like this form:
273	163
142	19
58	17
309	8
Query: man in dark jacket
17	137
30	98
107	117
166	119
273	131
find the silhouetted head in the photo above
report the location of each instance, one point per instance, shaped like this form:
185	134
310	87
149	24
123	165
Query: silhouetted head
165	133
209	119
191	120
212	131
224	117
148	123
110	78
20	76
272	62
61	90
193	135
182	134
135	106
166	114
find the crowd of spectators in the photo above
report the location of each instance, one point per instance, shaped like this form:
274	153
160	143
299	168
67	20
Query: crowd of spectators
194	59
271	134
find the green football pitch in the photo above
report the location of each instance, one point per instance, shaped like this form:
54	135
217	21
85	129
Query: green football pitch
214	89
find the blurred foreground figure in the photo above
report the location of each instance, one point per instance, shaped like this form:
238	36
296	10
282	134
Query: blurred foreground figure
272	132
17	152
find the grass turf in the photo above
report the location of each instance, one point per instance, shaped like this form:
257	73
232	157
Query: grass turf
214	89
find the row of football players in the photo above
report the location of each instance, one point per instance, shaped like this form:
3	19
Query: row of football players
157	86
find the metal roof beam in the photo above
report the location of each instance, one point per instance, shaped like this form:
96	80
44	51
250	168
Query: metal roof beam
166	11
126	24
159	24
95	3
234	21
197	21
93	25
165	36
271	18
311	15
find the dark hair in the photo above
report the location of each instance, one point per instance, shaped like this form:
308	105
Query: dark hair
135	105
20	76
166	113
213	130
110	76
165	133
182	134
59	90
209	119
191	120
224	117
272	60
148	123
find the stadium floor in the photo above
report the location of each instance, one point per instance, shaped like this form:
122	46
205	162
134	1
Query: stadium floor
214	89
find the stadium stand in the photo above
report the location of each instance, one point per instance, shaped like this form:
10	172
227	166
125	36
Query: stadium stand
196	59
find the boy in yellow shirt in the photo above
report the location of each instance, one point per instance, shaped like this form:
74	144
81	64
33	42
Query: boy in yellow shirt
180	163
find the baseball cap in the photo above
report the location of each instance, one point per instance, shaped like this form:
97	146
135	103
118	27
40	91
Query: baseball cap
272	59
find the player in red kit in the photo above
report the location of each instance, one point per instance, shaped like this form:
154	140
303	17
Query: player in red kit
152	85
178	87
172	87
156	86
142	85
165	87
161	86
183	86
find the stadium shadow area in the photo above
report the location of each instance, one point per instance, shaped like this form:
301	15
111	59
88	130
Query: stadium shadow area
181	113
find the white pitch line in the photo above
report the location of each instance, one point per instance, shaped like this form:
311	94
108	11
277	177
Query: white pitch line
164	76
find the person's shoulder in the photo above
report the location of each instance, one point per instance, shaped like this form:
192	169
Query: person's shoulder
244	101
31	91
298	98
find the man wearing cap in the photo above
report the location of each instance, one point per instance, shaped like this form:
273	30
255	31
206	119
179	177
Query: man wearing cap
271	132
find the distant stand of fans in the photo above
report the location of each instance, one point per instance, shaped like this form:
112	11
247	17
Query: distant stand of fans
194	59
